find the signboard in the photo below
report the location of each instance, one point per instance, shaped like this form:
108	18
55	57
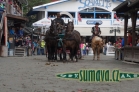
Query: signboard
94	3
93	22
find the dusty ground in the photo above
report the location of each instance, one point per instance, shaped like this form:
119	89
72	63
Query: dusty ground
30	74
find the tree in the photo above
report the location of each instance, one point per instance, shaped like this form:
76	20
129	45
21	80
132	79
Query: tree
32	3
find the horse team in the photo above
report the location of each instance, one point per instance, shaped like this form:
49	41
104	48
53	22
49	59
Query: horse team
70	41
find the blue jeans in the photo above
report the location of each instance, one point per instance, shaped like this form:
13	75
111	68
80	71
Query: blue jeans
38	51
105	50
42	51
84	52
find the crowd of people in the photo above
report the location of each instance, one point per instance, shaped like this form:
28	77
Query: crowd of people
23	40
11	7
84	48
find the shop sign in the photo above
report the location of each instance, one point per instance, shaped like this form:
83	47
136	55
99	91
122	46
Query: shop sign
94	3
93	22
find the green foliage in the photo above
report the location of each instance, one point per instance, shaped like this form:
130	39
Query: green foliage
32	3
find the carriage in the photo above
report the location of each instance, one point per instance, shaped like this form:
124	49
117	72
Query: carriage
59	43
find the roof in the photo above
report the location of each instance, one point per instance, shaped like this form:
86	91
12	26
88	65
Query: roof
31	12
48	4
123	7
134	4
16	17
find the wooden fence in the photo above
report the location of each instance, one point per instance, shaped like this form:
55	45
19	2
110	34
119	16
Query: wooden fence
128	54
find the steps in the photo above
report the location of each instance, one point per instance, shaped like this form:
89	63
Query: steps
20	51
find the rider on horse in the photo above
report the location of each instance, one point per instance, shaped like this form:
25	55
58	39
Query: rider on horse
96	30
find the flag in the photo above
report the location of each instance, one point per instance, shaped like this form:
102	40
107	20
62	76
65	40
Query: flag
115	16
79	17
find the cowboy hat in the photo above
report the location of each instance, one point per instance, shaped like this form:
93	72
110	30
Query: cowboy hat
97	23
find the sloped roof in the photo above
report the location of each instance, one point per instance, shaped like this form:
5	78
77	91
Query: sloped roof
48	4
124	7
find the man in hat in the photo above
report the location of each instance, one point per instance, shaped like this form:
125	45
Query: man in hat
60	21
96	30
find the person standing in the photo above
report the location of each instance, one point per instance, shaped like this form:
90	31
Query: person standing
87	48
20	32
42	46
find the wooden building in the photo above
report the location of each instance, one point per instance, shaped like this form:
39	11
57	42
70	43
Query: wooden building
129	9
12	16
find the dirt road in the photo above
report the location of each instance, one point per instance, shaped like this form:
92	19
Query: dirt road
32	74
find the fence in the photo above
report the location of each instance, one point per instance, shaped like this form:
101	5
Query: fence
110	51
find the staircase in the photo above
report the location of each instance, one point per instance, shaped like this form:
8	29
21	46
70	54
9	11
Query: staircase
20	51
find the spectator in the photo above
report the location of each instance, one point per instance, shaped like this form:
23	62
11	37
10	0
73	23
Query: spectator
81	47
122	42
42	46
138	42
87	48
38	48
20	41
20	32
34	46
105	49
129	39
12	31
84	49
16	42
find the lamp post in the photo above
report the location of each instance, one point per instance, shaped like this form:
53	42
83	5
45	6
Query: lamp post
115	30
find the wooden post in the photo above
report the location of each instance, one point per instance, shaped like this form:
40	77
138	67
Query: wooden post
125	32
5	30
133	18
125	29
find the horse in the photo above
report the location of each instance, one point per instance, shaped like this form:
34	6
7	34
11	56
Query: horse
51	41
71	41
97	44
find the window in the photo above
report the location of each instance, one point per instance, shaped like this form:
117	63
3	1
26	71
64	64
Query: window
87	15
100	10
103	15
53	15
88	10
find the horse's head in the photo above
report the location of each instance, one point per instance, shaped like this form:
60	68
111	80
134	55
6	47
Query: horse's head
70	27
53	28
60	28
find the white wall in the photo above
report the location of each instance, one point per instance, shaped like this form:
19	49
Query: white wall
82	27
73	5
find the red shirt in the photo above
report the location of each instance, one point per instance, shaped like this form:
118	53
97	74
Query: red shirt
129	40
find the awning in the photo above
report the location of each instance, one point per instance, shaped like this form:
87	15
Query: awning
31	12
123	7
16	17
134	4
42	23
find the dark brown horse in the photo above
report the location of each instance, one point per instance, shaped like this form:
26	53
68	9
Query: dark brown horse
71	41
51	41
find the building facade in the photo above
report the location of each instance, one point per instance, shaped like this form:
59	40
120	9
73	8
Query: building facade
90	11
